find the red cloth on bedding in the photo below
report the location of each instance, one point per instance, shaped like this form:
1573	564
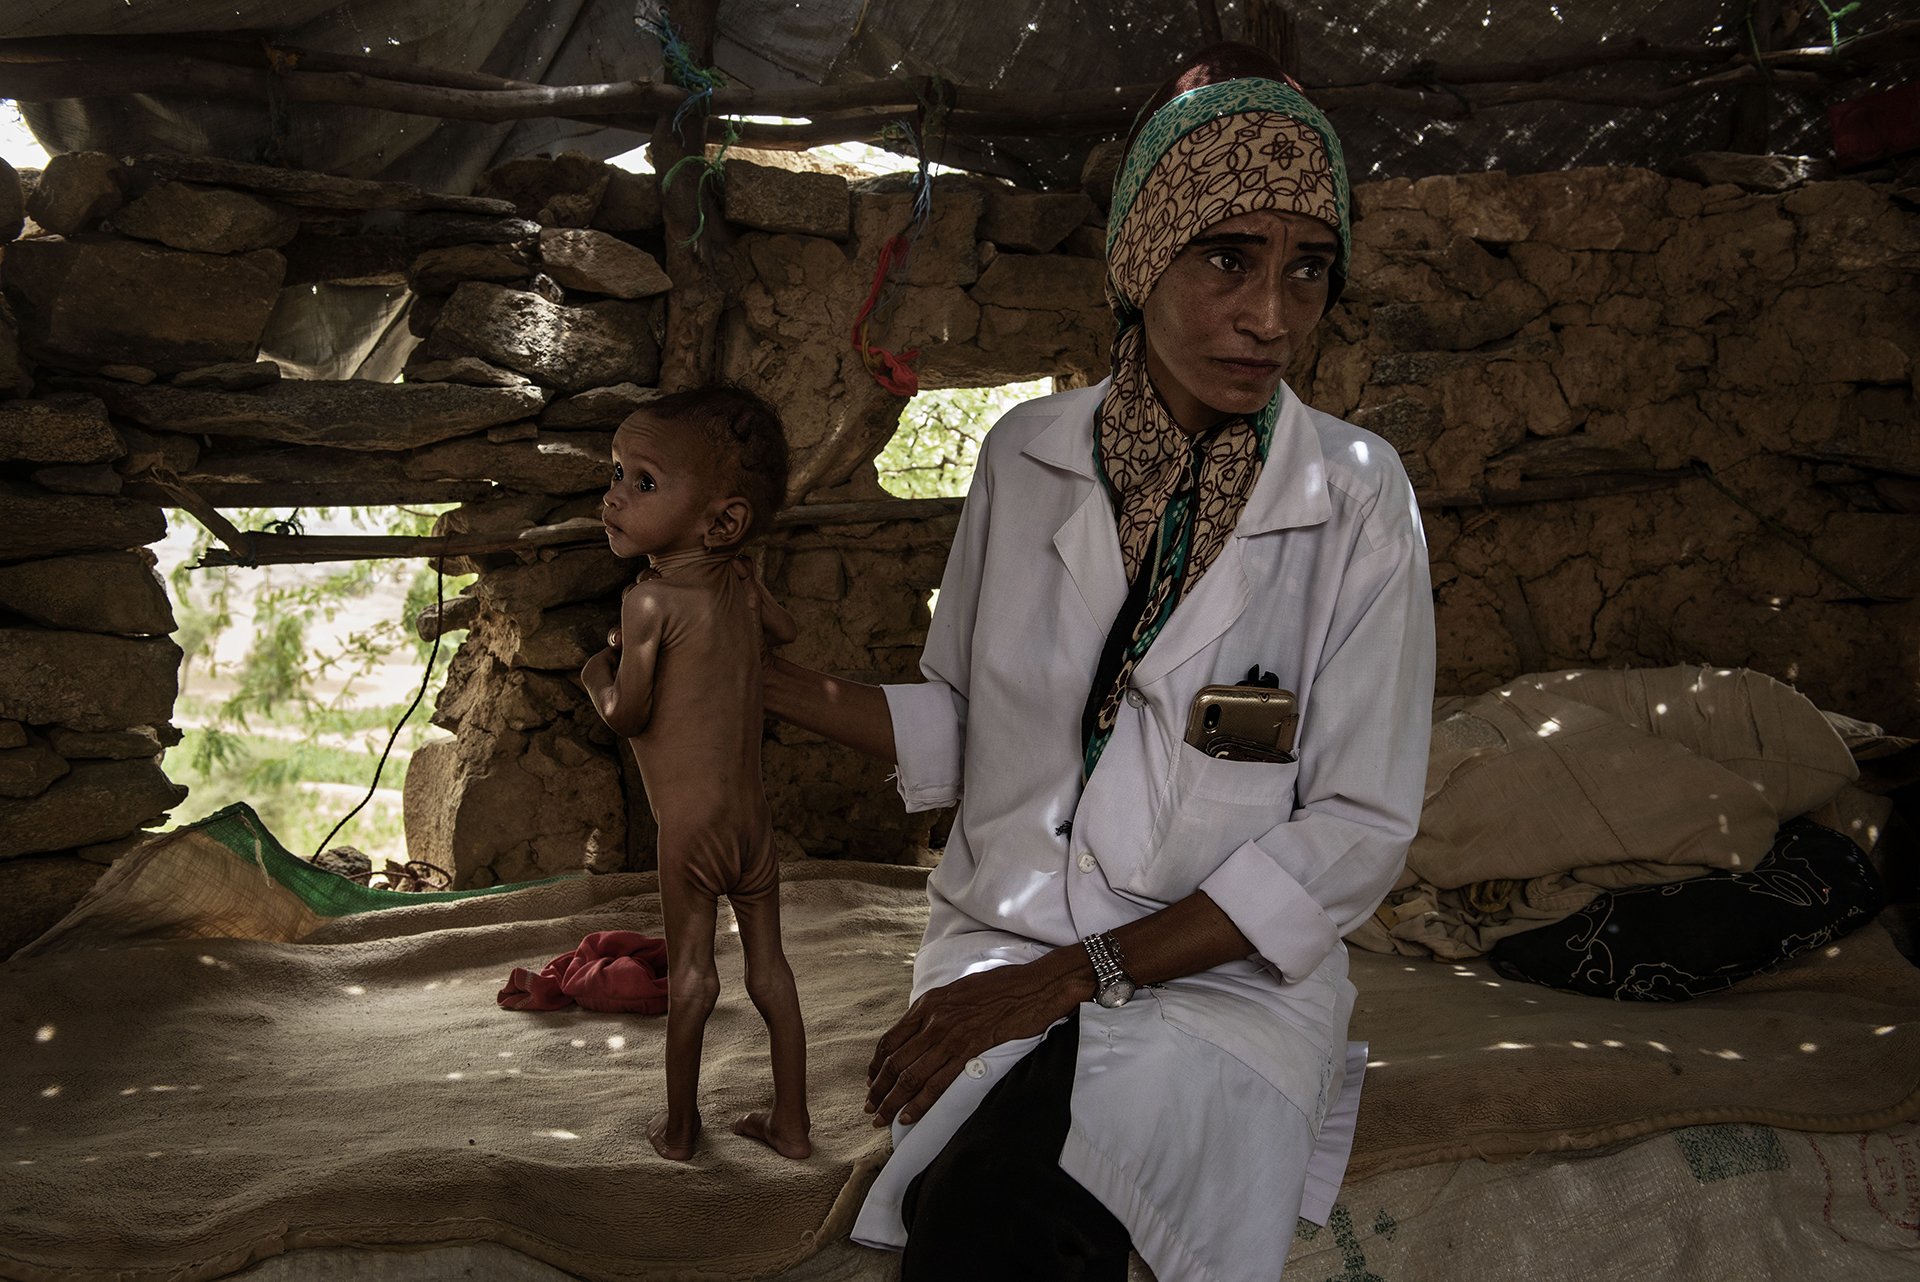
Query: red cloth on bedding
611	970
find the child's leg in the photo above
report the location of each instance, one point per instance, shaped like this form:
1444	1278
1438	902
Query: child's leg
770	985
693	986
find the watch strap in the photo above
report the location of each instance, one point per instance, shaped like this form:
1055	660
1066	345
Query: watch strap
1109	967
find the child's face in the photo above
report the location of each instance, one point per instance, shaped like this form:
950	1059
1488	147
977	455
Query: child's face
661	498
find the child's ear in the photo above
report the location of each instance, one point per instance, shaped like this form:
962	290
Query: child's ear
730	522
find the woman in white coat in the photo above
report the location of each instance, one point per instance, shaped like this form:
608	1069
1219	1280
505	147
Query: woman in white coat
1130	1009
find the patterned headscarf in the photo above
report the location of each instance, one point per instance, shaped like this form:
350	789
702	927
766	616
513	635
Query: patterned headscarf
1213	153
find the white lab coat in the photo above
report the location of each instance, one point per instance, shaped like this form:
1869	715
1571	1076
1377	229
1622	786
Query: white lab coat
1197	1105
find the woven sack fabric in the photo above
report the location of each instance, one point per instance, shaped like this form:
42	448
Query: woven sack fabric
1682	940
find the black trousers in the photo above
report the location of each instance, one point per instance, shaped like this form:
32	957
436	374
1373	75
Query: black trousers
996	1205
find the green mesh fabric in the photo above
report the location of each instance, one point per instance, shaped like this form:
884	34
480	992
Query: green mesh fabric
240	830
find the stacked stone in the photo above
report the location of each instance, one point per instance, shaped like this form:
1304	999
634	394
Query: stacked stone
1653	419
136	303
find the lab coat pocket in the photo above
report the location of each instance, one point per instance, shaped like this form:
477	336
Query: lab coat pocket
1210	808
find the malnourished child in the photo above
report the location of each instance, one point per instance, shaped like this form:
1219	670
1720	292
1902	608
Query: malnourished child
696	475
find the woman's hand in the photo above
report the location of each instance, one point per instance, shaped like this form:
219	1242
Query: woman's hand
919	1057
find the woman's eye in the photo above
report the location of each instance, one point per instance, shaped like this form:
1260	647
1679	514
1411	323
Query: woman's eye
1226	260
1312	269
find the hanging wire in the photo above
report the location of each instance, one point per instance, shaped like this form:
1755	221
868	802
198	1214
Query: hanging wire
426	680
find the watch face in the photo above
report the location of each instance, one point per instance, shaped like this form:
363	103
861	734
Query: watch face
1118	993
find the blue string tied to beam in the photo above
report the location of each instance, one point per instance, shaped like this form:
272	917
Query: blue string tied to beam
681	67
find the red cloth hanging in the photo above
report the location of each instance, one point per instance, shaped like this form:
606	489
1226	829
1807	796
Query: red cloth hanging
611	970
893	372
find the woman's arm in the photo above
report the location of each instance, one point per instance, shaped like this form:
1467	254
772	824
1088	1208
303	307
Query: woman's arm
851	713
921	1055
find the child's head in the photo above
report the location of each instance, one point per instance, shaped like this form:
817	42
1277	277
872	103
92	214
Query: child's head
710	465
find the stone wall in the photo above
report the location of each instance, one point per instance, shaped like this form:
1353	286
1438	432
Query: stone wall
1651	420
1000	286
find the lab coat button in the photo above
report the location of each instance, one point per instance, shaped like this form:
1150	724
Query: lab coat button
1136	699
976	1068
1087	862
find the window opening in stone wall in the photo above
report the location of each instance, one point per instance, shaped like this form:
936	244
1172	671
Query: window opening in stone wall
294	677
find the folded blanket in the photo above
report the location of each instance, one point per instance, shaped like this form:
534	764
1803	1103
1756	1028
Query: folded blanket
611	970
1555	788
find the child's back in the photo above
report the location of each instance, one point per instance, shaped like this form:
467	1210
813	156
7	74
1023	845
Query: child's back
700	752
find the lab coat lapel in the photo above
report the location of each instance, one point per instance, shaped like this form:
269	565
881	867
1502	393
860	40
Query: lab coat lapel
1208	610
1088	541
1291	493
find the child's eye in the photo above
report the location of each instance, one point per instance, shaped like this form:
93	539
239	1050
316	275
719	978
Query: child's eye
619	473
645	482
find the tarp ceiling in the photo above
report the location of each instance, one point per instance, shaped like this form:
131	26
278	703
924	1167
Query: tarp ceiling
1044	44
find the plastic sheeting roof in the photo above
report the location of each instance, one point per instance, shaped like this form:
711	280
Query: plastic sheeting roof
766	44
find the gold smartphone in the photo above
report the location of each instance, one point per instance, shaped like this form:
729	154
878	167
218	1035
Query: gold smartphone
1243	723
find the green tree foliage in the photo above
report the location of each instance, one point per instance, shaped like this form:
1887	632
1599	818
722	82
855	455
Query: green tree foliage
286	727
933	452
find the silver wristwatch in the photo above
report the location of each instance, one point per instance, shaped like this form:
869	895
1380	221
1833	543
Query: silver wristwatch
1112	986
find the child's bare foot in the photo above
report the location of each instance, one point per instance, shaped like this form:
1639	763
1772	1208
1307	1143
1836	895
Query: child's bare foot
786	1139
676	1144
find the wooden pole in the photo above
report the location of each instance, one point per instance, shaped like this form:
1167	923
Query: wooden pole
694	226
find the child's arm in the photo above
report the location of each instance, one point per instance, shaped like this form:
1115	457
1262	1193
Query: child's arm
620	680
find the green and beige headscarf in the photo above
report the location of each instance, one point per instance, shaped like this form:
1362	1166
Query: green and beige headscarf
1216	152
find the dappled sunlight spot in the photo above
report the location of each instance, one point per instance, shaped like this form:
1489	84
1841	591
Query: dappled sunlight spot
1377	1063
616	1043
1662	1047
1579	1046
456	1076
558	1134
1884	1029
155	1153
1511	1046
1659	709
208	959
1360	452
44	1034
733	927
506	1055
48	1092
1548	727
131	1090
1722	1054
1409	969
23	1161
1833	951
1491	983
430	985
89	1158
1724	827
578	1043
354	990
163	1090
1610	1044
1808	1048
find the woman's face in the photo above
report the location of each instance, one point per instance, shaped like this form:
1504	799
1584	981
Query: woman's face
1225	319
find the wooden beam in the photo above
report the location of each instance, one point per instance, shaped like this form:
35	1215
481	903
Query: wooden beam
94	67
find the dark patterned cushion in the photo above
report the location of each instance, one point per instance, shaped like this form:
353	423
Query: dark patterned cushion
1688	938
